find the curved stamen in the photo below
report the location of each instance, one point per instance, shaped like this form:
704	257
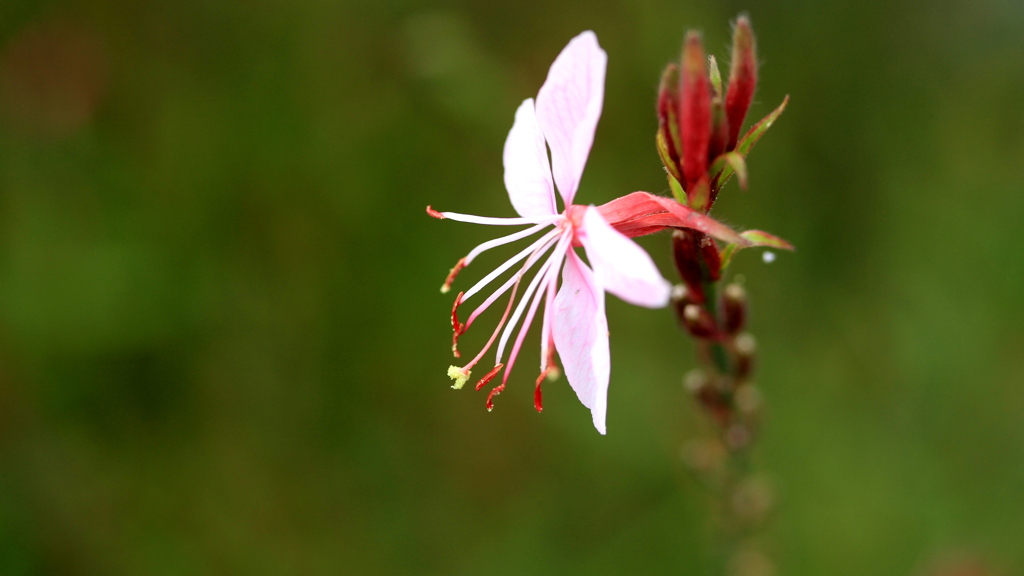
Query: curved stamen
548	320
498	221
502	241
542	274
508	264
550	275
515	278
514	283
496	331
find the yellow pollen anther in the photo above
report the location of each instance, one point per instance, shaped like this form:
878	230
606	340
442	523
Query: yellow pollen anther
459	375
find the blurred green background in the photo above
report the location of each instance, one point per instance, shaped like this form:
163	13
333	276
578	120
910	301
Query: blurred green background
223	351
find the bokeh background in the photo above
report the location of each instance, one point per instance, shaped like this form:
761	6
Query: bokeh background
223	350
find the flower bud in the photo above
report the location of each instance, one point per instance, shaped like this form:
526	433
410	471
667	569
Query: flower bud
698	321
680	299
669	146
719	122
712	258
746	351
695	381
742	78
734	303
694	111
687	254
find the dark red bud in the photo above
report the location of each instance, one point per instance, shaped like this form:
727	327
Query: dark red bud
742	78
746	352
694	111
735	308
699	321
669	146
687	254
712	259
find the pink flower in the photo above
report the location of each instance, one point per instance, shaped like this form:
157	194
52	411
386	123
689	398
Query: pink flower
573	321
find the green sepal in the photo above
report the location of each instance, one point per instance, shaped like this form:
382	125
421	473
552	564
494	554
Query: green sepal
700	195
727	253
757	130
716	76
751	138
725	165
677	190
666	158
759	238
756	238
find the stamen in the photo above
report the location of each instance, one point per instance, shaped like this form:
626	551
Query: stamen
496	330
457	329
504	240
452	274
509	263
547	273
514	281
550	372
537	396
489	376
434	213
546	336
497	221
494	392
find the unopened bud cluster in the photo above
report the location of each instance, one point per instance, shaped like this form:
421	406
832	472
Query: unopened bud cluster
699	120
699	141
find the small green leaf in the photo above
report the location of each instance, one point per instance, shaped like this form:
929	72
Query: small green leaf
716	76
728	163
727	255
700	194
666	157
757	130
748	141
754	238
677	190
759	238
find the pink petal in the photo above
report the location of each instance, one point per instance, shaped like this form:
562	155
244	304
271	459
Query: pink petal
527	174
581	337
569	106
621	265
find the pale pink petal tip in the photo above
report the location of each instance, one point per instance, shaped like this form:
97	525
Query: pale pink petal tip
569	106
581	336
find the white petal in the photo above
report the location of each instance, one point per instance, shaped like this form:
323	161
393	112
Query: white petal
621	265
569	106
581	337
527	173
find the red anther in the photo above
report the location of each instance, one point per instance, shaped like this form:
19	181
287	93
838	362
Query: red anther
494	392
537	397
551	367
435	213
457	328
489	376
453	273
